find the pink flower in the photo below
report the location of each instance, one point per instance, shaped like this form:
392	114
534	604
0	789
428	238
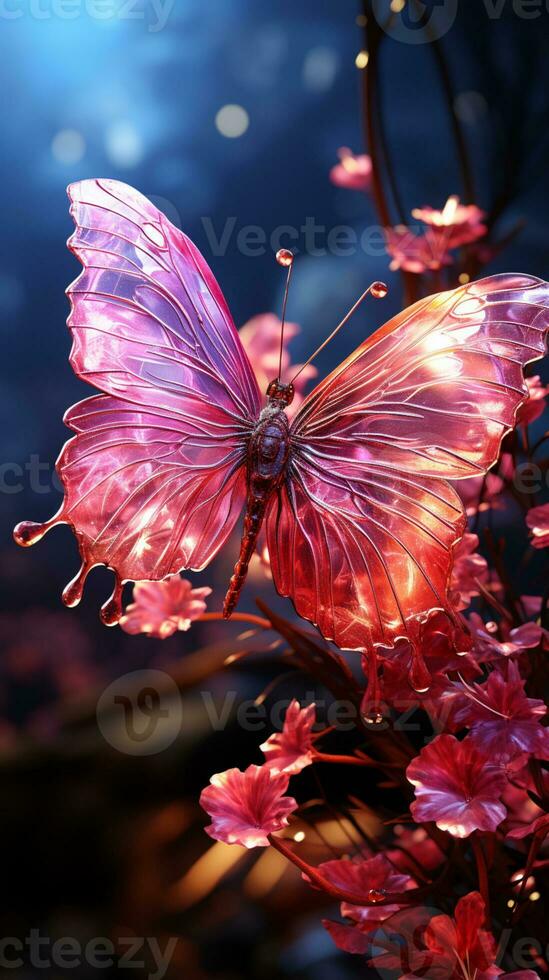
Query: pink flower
468	570
352	172
247	806
161	608
373	876
261	338
535	406
503	721
457	224
290	750
414	253
456	787
537	520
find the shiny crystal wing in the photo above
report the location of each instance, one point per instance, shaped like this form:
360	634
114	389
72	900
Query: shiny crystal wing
154	478
361	536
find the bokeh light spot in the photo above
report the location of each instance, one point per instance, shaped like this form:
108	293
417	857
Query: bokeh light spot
123	144
68	146
232	121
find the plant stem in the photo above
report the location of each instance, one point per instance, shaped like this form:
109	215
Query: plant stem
236	617
482	871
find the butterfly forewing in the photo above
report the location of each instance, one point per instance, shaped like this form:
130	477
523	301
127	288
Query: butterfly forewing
361	537
154	478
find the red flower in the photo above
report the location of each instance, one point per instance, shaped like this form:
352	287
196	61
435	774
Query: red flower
290	750
261	338
414	253
247	806
503	721
161	608
468	570
373	876
437	946
535	406
352	172
456	787
537	520
457	224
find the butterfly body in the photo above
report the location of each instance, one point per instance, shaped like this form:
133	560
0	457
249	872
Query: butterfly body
268	455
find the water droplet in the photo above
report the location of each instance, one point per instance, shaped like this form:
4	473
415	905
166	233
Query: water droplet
372	717
27	533
72	593
379	289
284	257
377	895
419	676
111	610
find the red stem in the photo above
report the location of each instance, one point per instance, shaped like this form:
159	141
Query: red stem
348	760
482	871
235	617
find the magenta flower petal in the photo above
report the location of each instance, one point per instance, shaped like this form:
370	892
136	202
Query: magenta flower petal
247	806
469	569
290	750
456	224
504	722
457	787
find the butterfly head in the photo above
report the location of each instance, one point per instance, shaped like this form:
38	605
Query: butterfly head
280	394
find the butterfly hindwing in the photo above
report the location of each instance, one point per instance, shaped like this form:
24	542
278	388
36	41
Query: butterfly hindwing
361	537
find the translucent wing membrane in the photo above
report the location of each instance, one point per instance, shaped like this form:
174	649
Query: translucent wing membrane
154	477
361	537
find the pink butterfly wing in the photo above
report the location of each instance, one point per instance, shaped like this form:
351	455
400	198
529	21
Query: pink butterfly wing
154	479
361	536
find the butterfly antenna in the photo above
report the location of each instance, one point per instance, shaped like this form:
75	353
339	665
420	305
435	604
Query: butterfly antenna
377	289
285	258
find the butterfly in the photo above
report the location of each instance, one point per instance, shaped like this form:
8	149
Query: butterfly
354	492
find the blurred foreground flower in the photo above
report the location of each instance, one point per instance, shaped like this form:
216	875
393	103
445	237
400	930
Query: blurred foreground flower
247	806
537	520
161	608
457	787
352	172
290	750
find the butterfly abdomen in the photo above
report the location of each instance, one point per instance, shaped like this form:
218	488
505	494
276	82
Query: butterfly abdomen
267	459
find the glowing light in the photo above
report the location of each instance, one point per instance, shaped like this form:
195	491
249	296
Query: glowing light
232	121
464	278
535	897
511	903
299	836
123	144
68	146
362	59
397	6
